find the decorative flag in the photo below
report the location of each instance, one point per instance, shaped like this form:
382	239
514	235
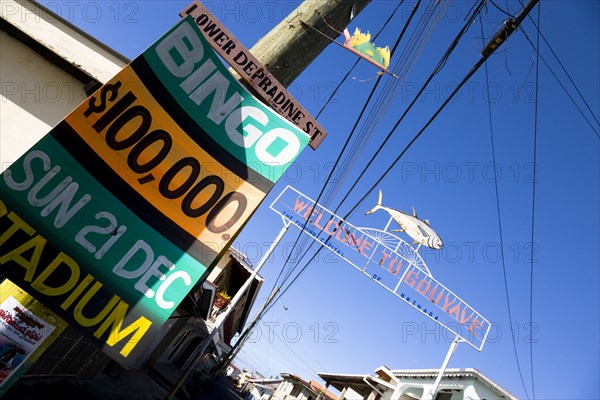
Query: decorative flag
360	44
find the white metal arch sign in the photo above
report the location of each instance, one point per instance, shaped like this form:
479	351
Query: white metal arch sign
389	261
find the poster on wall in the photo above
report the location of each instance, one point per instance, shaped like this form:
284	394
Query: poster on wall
21	332
27	329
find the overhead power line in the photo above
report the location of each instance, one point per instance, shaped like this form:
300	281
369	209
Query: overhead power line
343	151
303	240
474	13
535	128
498	39
358	60
499	218
539	32
440	65
342	164
267	306
416	43
537	51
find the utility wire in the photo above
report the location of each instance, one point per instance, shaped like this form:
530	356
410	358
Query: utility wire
303	241
465	79
267	307
354	150
341	152
415	41
498	39
276	287
339	158
501	9
476	11
499	217
282	340
536	118
300	233
562	66
436	70
501	36
408	58
560	83
315	359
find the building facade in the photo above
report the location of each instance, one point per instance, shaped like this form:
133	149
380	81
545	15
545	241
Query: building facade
296	388
386	384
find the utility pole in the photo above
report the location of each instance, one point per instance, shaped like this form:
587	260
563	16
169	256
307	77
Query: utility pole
290	47
286	51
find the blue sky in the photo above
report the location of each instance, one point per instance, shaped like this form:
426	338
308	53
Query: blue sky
334	319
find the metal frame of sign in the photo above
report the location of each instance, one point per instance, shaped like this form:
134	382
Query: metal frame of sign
410	281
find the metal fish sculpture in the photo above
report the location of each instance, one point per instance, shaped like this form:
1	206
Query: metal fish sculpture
419	230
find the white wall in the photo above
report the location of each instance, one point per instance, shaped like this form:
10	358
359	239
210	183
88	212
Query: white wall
67	41
34	96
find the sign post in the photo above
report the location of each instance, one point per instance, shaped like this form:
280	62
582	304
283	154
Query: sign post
199	351
432	392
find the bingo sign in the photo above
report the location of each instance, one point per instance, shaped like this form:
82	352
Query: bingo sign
389	261
113	216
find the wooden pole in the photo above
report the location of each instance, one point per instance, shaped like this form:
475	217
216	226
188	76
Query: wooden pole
290	47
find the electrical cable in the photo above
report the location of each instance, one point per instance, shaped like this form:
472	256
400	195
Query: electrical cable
563	68
458	87
352	133
440	65
436	70
310	368
303	241
560	83
389	92
536	118
300	233
415	44
485	56
499	216
502	10
348	139
267	307
315	359
503	34
342	151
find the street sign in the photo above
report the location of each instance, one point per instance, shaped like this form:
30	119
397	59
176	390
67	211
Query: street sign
254	73
112	217
387	260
